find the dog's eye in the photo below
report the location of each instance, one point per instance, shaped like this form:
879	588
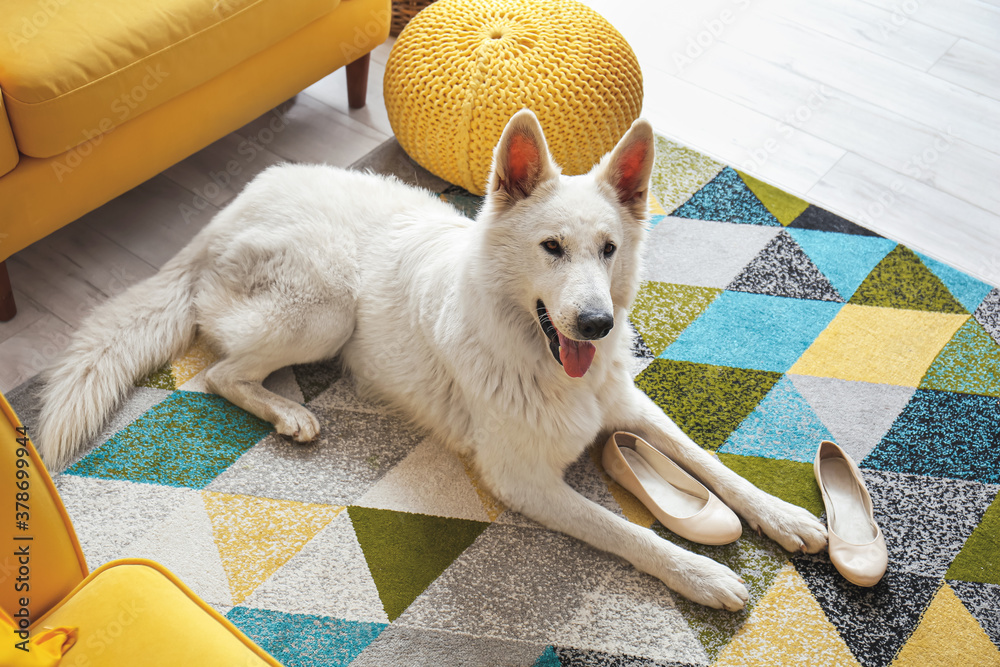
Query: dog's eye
552	247
609	249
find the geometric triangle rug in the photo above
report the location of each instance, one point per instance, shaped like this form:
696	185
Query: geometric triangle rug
763	325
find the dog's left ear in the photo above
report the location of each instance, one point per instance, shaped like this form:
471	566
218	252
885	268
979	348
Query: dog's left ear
627	168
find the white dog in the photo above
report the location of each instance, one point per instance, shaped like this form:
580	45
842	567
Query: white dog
505	337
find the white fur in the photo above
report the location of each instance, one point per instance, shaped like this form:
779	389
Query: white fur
435	314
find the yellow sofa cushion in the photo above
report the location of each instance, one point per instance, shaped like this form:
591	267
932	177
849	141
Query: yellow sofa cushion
72	70
135	612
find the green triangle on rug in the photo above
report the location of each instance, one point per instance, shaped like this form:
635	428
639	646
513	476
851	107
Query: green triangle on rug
661	311
406	552
792	481
969	363
678	173
979	559
707	402
161	378
901	280
782	205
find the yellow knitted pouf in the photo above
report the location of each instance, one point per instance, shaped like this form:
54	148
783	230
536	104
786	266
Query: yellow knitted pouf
462	68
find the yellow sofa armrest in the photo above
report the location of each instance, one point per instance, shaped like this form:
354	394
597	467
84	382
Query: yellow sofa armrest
8	148
40	557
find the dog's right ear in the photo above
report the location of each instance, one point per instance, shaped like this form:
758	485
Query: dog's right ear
521	160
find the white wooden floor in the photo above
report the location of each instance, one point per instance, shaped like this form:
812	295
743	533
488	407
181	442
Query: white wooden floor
885	111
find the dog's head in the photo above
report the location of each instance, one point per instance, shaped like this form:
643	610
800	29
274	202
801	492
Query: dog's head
568	247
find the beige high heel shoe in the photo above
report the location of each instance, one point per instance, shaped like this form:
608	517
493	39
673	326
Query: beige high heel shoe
675	498
857	546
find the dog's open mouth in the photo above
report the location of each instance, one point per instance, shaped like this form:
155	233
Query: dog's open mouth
574	355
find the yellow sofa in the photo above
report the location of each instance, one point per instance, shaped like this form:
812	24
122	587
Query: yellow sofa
99	96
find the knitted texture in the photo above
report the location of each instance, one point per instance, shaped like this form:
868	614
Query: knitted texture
462	68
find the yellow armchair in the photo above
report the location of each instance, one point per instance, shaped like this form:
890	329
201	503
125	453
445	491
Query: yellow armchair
127	612
99	96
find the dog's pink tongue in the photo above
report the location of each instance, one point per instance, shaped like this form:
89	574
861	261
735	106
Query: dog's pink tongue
576	356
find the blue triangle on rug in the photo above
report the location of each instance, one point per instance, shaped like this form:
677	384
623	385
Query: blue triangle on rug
782	426
942	434
548	658
969	291
305	640
845	259
726	198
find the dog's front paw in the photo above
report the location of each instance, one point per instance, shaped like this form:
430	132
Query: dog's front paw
297	423
710	583
794	528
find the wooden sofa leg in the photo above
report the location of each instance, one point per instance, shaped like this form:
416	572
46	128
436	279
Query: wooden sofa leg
357	81
8	309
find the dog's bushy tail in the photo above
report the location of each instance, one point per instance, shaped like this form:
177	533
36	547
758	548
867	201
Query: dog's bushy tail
121	341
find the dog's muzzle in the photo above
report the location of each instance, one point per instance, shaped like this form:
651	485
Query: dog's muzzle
575	356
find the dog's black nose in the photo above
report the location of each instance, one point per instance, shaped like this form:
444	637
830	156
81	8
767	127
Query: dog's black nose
594	324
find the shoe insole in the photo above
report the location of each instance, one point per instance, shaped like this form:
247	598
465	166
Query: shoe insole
848	516
672	500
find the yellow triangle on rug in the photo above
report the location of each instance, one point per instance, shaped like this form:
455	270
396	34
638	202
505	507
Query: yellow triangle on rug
787	627
195	359
654	205
947	636
256	536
